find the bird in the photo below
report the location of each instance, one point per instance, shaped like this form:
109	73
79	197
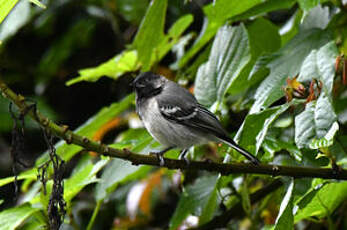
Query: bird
174	118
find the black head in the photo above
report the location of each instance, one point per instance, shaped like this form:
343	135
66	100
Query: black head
148	84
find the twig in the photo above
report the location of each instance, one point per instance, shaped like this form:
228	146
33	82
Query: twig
137	159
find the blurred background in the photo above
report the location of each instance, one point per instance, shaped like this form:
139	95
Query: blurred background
42	49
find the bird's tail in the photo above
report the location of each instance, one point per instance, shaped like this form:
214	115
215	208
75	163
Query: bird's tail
231	143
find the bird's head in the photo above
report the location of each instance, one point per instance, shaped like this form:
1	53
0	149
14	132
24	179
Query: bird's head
148	84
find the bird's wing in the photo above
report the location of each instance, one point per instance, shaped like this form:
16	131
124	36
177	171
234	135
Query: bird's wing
191	114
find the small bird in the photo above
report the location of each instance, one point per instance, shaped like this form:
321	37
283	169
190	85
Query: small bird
175	119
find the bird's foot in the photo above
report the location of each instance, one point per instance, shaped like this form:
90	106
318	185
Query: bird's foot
160	155
183	155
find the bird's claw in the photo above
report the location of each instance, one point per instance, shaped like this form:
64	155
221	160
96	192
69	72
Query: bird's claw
185	159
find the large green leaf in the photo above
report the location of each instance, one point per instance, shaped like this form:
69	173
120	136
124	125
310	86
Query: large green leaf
120	171
320	65
5	8
217	13
83	174
113	68
263	39
11	218
198	198
287	64
255	127
149	50
229	55
321	201
285	219
151	32
15	20
314	122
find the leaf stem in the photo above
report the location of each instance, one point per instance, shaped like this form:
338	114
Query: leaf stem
95	213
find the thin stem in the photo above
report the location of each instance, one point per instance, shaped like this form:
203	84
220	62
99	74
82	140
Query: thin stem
95	213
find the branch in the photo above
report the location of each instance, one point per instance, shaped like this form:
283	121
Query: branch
237	211
136	159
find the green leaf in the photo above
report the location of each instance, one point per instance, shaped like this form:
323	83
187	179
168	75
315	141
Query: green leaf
19	15
314	122
171	38
5	8
229	55
287	64
255	127
89	128
82	176
120	171
263	38
151	32
318	17
30	174
113	68
320	65
11	218
321	201
217	13
198	198
285	219
264	7
272	145
132	10
327	140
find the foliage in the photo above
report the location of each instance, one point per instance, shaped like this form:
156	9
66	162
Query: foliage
273	71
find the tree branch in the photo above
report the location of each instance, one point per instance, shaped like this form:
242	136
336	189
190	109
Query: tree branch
136	159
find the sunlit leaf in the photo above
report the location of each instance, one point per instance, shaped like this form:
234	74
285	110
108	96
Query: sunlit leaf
113	68
5	8
82	176
11	218
30	174
19	15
